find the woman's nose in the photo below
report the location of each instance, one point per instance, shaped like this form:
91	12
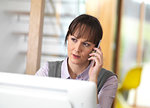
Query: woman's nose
78	47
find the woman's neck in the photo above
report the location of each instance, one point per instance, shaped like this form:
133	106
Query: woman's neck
76	69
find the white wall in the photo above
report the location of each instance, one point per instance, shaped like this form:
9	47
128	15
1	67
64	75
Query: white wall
10	58
13	47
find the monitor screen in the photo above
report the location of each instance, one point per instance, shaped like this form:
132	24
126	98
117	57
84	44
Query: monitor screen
28	91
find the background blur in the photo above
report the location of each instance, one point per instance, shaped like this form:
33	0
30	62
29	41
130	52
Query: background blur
126	42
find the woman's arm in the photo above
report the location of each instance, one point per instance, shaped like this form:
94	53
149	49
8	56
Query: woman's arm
97	63
108	92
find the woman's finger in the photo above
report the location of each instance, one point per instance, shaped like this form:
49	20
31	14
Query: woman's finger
99	55
96	58
98	50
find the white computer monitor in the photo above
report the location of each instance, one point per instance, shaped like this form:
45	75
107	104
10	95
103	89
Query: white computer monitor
28	91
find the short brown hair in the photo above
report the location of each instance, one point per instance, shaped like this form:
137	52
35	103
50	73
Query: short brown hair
86	23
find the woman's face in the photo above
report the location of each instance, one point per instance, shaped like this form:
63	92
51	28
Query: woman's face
79	49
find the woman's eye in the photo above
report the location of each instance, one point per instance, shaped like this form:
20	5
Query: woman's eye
74	39
86	44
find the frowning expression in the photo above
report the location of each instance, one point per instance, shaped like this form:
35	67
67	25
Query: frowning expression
79	49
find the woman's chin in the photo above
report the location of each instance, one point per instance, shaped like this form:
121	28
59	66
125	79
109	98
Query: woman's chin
76	61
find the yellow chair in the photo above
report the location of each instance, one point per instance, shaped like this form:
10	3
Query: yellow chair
131	81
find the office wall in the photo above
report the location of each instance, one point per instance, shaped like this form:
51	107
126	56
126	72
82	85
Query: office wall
11	58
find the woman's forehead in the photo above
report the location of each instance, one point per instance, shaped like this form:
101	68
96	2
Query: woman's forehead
82	33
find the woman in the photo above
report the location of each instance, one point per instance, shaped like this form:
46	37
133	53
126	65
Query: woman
85	59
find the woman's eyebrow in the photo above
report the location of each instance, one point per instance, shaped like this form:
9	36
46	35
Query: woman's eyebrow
74	36
87	41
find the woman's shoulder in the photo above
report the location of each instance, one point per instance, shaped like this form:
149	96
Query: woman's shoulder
104	76
54	64
43	71
110	76
107	73
58	61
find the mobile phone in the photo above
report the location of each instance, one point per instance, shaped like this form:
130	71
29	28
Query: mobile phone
99	44
93	62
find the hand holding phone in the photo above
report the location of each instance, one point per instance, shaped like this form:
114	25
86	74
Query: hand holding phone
96	59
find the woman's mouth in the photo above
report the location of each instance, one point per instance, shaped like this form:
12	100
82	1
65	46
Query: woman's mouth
76	56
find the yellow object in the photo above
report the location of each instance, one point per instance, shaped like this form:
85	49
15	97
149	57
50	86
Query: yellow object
131	81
